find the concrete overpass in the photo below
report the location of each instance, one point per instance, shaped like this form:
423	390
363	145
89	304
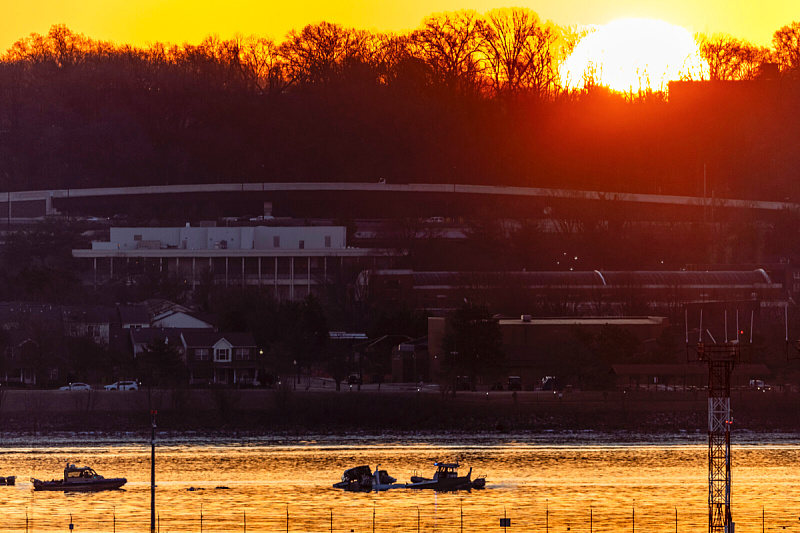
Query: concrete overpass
33	204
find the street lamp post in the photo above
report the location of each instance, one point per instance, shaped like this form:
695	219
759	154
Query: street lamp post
297	376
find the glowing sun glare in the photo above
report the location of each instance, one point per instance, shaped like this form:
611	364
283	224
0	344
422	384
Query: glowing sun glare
633	54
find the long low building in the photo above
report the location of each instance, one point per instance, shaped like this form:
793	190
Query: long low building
292	260
587	292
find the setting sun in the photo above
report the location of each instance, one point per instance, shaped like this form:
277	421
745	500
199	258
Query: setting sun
632	55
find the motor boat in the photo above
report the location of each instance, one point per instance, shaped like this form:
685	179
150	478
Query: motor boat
446	478
79	478
363	479
10	480
381	481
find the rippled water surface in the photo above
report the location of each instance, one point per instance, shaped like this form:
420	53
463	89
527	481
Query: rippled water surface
553	482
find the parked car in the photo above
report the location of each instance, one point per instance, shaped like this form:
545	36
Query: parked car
122	385
551	383
76	386
463	383
514	383
354	379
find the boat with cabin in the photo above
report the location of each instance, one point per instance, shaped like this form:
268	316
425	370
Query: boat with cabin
79	478
446	478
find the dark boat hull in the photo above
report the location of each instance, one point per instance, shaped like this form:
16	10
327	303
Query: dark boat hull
456	483
79	486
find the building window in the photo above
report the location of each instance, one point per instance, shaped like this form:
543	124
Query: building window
201	354
302	244
796	274
796	287
137	237
222	354
276	241
242	354
327	241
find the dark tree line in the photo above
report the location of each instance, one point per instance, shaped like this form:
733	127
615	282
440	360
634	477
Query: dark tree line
466	98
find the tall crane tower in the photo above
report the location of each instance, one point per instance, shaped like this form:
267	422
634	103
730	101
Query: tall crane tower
721	358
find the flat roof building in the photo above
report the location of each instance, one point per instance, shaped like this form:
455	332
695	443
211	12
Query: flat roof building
292	260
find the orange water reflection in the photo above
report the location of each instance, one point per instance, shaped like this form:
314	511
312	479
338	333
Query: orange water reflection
538	486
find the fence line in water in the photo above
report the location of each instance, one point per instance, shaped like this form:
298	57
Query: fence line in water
442	518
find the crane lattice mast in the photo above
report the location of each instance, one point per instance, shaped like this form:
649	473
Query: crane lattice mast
721	358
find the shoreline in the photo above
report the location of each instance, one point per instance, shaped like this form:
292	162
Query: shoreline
302	412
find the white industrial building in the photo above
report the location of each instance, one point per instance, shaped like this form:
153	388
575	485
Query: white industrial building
290	259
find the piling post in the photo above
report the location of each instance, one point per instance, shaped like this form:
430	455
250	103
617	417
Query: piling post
153	414
547	516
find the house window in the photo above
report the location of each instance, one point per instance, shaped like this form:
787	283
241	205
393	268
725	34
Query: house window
302	244
201	354
242	354
93	331
222	354
327	241
276	241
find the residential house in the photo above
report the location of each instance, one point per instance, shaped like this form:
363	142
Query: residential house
24	361
133	316
93	322
180	320
220	358
140	338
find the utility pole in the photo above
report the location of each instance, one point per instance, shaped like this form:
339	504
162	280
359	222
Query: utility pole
153	414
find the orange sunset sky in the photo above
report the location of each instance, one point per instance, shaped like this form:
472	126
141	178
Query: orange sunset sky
140	22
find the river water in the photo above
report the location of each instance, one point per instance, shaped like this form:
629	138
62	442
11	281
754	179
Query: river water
547	482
